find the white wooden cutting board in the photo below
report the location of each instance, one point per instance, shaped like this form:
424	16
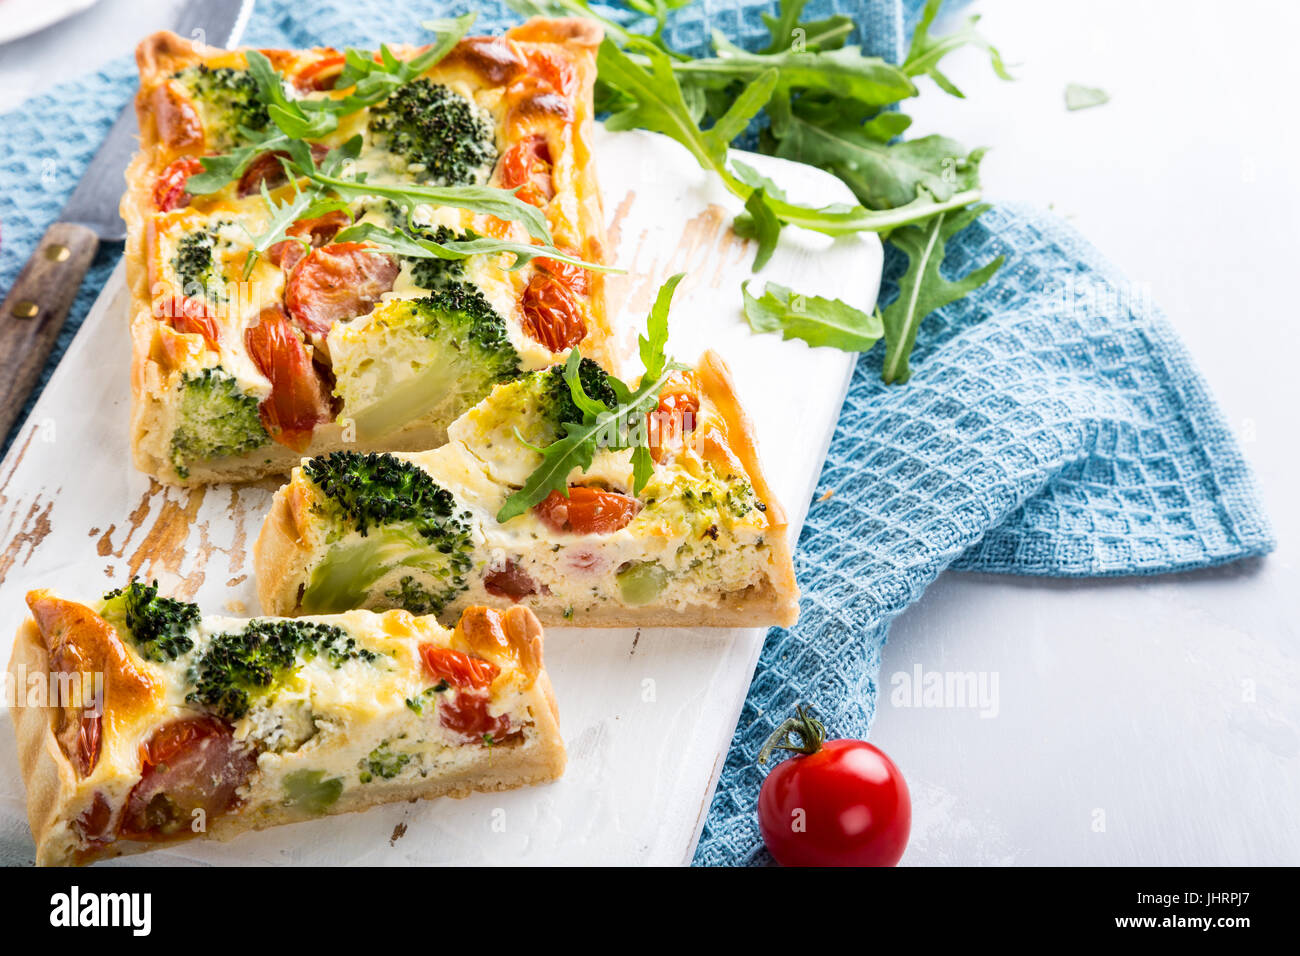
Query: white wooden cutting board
647	715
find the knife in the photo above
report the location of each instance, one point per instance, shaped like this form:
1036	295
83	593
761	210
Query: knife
36	307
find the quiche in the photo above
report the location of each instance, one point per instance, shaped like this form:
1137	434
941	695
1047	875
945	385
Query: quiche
162	724
702	542
290	215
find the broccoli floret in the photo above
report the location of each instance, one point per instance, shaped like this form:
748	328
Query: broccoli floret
237	666
558	397
160	628
441	136
384	763
420	359
444	275
230	101
196	266
215	419
541	402
387	514
413	596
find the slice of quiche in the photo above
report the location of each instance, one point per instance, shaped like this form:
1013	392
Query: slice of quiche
160	724
348	249
696	539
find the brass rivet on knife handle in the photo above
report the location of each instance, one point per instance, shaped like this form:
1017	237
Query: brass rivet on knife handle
34	311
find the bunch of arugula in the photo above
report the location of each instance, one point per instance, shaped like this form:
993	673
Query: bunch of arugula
828	105
618	427
331	185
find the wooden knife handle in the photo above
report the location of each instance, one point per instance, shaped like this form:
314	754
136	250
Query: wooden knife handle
35	309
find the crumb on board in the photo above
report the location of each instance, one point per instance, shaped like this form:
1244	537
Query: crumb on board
236	607
399	831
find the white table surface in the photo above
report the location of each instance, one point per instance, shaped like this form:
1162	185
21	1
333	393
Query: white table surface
1145	721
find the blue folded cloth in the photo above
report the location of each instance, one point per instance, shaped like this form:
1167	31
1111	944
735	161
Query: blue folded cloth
1054	424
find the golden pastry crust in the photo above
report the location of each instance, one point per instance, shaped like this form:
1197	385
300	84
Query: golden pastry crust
505	71
68	803
289	543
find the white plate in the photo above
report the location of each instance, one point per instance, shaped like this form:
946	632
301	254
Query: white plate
647	716
19	18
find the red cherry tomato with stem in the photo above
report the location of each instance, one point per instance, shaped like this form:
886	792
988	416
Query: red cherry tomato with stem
837	803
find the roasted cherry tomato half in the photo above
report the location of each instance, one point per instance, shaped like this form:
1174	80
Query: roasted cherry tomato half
169	190
300	397
338	281
552	313
527	164
175	118
837	803
466	710
308	234
673	417
321	75
189	316
189	765
457	668
587	511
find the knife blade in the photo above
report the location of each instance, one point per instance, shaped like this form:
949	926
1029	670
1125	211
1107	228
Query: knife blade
37	305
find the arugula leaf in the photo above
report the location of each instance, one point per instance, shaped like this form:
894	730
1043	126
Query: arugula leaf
922	289
615	428
1078	97
846	72
925	53
655	102
305	204
828	34
227	167
760	224
651	345
489	200
815	320
418	247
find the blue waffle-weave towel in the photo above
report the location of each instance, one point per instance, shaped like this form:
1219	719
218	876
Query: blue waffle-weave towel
1054	424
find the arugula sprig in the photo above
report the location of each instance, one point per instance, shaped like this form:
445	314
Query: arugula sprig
616	428
412	246
830	106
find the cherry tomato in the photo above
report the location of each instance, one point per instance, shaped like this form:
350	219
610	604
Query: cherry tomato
556	69
575	277
339	281
93	826
300	397
189	316
527	164
509	581
268	169
552	314
169	190
187	765
673	417
175	118
315	232
587	511
465	711
838	803
457	668
321	75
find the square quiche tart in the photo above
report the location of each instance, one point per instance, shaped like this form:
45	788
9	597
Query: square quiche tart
248	353
170	725
703	542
